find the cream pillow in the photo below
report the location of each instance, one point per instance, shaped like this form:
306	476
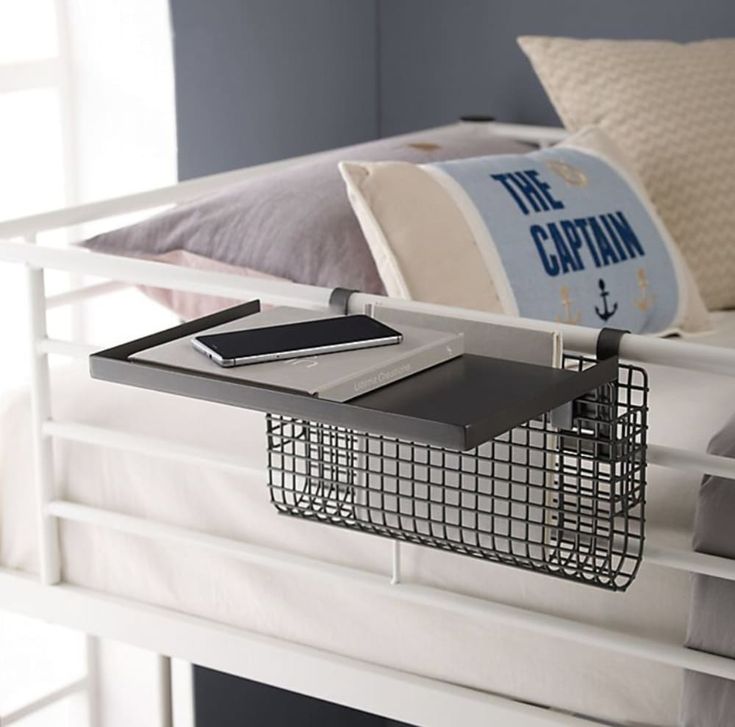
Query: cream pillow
426	248
671	108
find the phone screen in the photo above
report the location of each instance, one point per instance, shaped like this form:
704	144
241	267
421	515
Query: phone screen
297	336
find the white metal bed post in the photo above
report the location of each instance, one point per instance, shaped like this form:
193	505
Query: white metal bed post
70	141
92	652
48	534
47	523
395	578
165	694
44	477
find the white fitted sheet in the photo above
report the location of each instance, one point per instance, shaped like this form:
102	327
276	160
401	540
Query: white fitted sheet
686	410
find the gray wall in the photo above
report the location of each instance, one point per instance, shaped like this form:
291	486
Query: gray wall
258	80
443	58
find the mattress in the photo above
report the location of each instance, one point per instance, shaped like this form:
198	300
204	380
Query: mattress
428	641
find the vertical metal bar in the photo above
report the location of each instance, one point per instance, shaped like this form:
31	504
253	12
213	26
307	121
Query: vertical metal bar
68	105
396	571
182	693
48	534
165	696
92	648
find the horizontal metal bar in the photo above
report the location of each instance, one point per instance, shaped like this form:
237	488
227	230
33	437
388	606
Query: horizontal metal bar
527	132
633	347
163	275
42	702
343	680
68	349
554	626
173	194
78	295
689	461
151	446
169	449
677	354
679	459
688	560
654	554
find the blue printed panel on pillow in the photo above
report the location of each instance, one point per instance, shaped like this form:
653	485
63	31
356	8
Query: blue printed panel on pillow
575	242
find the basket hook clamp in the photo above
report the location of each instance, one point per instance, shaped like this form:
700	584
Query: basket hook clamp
339	300
608	343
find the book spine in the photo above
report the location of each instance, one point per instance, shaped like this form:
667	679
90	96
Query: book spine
414	362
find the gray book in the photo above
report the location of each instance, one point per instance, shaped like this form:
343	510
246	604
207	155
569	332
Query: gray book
334	376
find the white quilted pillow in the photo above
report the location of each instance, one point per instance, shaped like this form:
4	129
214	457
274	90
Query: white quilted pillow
671	108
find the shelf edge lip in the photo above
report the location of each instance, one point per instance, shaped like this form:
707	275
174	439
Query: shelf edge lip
123	351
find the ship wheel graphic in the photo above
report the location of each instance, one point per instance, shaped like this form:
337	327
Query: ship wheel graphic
606	311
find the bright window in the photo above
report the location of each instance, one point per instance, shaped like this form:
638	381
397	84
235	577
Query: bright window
27	30
31	148
86	112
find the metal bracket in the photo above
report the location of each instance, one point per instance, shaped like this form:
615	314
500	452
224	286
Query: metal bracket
477	118
608	343
563	416
608	347
339	300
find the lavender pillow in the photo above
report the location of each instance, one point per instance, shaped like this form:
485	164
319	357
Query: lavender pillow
296	223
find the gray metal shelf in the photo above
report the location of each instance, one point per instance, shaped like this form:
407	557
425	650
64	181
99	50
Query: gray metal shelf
459	404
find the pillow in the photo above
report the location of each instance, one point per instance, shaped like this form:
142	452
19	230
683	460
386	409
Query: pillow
295	223
671	108
195	305
461	233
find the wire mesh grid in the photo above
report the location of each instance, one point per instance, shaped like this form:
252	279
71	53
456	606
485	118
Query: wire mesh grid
564	502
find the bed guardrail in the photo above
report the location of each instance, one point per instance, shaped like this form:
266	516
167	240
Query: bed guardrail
50	509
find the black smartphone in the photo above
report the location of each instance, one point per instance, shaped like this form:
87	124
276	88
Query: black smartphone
293	340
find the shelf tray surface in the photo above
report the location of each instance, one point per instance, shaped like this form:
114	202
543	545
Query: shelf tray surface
459	404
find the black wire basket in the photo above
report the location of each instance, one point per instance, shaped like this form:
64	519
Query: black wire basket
563	499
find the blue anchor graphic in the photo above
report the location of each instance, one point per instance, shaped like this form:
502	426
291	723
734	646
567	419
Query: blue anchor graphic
606	312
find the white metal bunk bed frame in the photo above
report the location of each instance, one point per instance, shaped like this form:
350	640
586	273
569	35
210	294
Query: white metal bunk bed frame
395	694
